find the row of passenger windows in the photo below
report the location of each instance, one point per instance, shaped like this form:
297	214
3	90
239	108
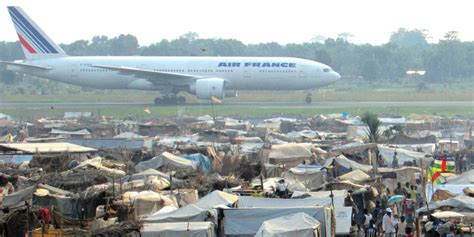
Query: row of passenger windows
94	70
284	71
182	70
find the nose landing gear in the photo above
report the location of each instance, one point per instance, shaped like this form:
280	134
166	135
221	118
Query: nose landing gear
308	99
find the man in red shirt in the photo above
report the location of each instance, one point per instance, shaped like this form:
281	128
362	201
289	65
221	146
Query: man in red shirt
408	208
45	218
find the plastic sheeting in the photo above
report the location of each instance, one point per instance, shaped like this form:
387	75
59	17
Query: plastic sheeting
298	224
348	164
202	161
252	202
247	221
402	155
179	229
18	198
166	161
460	203
356	176
290	151
310	180
197	211
464	178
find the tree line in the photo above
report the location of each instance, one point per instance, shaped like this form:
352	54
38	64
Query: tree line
447	61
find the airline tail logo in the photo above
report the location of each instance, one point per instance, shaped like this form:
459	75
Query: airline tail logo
32	38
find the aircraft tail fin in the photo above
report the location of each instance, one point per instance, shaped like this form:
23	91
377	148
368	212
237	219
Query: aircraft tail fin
35	43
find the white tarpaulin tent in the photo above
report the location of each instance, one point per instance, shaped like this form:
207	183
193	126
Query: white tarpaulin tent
460	203
402	155
348	164
197	211
166	161
298	224
310	180
290	152
464	178
179	229
247	221
343	214
355	176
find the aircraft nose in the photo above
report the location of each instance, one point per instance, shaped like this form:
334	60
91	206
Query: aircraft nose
336	76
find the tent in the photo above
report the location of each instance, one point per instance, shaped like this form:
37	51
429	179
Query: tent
407	140
403	156
460	203
202	161
355	176
147	202
197	211
464	178
348	164
179	229
247	221
151	172
310	178
166	161
290	152
298	224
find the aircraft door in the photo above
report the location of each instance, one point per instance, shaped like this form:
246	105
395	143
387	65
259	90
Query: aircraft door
75	70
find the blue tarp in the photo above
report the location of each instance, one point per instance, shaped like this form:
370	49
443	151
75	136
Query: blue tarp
16	159
202	161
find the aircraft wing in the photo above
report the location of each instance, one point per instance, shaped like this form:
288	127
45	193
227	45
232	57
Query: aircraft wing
155	77
24	66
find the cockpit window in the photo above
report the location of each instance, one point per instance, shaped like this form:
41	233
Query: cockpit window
326	69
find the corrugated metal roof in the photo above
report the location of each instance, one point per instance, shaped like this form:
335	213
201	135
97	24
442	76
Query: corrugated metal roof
56	147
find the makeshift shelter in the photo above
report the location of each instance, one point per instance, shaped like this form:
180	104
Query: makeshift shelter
346	163
464	178
147	202
152	172
166	161
312	177
460	203
390	176
202	161
247	221
441	195
403	156
298	224
355	176
83	133
291	152
179	229
401	138
197	211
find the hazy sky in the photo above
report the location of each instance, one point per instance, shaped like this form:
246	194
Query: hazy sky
251	21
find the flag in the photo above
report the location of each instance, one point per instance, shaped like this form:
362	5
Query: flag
435	177
443	164
147	110
215	100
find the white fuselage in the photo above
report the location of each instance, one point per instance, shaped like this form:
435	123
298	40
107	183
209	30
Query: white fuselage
240	73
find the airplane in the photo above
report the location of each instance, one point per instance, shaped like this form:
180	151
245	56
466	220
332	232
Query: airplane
205	77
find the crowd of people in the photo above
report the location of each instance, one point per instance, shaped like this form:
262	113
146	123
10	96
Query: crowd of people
394	212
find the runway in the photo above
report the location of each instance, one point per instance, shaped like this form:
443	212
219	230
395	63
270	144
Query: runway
300	105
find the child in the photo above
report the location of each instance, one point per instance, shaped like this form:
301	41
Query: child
402	227
409	232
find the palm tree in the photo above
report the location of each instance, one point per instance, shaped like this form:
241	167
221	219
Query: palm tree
373	123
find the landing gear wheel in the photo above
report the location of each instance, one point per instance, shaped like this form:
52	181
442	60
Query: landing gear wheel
308	100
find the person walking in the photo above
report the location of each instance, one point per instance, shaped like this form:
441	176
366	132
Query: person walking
387	224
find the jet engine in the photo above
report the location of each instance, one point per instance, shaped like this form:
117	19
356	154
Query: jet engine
204	89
